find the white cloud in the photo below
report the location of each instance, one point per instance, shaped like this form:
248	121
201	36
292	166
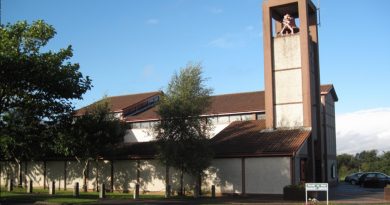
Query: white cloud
363	130
152	21
227	41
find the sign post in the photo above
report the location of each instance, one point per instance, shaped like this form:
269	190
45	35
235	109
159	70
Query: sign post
317	187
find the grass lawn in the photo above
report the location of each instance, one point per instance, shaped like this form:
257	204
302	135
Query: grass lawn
63	197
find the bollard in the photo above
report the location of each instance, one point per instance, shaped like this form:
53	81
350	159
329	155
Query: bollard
76	191
213	191
196	191
10	185
102	191
30	187
52	188
136	192
167	191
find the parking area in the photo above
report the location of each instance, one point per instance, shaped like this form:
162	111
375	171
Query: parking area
345	192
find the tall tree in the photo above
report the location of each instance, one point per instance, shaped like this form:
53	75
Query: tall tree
36	88
181	134
92	135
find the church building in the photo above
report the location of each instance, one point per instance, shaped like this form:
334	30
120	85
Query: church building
263	141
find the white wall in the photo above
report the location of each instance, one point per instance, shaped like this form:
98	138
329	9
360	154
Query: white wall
9	170
35	173
225	174
125	175
152	175
263	175
138	135
55	172
267	175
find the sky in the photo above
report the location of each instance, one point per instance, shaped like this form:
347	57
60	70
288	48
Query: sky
133	46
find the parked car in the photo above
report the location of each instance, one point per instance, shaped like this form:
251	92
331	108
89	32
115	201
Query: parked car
353	178
373	179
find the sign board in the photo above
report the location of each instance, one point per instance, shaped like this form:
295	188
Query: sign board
317	187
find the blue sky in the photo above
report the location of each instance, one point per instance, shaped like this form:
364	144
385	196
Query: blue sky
136	46
132	46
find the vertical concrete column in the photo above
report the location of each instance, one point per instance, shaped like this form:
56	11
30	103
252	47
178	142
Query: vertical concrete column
136	192
102	191
76	190
10	186
30	187
52	188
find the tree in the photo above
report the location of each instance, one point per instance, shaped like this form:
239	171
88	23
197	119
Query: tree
181	134
92	135
36	89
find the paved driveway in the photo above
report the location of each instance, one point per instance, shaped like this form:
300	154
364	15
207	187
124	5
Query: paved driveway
345	192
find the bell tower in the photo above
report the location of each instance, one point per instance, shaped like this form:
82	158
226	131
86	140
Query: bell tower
291	71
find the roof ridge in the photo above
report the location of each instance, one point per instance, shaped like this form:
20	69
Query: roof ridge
238	93
114	96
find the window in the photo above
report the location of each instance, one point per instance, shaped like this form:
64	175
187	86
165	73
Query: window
145	125
333	171
235	118
224	119
135	125
246	117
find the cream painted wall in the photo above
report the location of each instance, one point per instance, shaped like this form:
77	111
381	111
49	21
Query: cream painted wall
138	135
225	174
74	173
35	172
55	172
9	170
217	128
152	176
125	175
288	86
263	175
289	115
287	52
288	81
144	135
99	172
267	175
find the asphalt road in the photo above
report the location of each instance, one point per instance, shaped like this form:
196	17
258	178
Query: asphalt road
347	192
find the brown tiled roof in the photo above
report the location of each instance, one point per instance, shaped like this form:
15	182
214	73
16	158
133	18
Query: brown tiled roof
236	103
239	139
118	103
329	88
221	104
249	138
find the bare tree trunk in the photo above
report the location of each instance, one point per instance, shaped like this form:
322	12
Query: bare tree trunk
97	175
20	176
85	175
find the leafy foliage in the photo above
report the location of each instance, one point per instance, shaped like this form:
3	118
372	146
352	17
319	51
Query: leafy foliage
366	161
36	89
93	133
182	136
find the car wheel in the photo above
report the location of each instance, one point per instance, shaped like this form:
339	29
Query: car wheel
353	182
